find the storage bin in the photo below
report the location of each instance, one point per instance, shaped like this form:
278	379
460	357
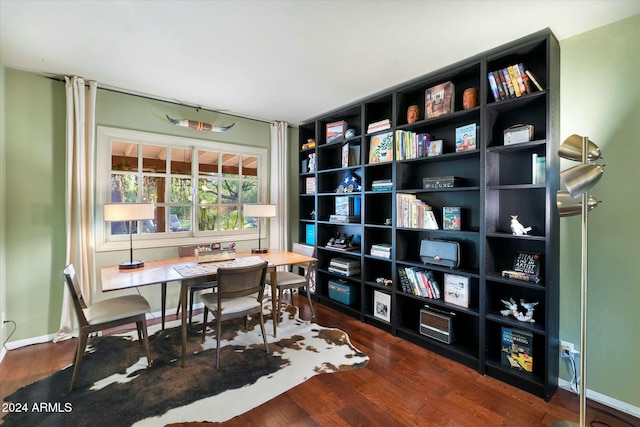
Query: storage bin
343	292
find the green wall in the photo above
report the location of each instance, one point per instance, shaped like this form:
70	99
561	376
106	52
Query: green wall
600	98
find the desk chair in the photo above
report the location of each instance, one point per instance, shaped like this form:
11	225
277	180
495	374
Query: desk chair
200	285
289	280
104	315
240	292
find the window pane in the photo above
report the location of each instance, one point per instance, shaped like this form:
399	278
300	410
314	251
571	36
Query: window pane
250	192
181	161
207	218
180	218
229	192
124	188
208	162
124	156
208	190
180	190
229	218
153	189
154	159
230	165
249	167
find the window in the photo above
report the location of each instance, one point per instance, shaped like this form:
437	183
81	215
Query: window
198	187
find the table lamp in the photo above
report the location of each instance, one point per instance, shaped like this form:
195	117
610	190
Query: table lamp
116	212
258	211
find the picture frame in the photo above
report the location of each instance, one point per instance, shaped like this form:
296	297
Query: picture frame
439	100
456	290
381	148
435	148
335	131
382	305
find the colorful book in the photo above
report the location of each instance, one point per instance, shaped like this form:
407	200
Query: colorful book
381	148
494	86
451	218
517	349
466	137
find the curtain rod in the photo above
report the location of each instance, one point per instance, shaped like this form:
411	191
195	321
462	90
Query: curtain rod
153	98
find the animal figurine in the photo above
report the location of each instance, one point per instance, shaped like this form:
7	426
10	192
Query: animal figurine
517	228
202	126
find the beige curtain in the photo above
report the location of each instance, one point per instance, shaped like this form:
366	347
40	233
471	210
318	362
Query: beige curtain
278	231
79	195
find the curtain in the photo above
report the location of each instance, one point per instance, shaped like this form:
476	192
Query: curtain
278	231
79	195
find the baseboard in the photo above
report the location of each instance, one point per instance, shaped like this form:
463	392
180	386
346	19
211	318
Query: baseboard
604	400
12	345
3	352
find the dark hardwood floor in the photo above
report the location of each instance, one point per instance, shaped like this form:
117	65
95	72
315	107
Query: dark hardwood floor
403	385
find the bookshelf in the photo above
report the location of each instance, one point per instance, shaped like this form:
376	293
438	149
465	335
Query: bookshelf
494	182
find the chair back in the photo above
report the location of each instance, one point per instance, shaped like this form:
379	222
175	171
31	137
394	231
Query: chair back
235	282
79	304
306	250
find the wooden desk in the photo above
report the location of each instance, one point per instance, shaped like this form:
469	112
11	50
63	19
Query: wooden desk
156	272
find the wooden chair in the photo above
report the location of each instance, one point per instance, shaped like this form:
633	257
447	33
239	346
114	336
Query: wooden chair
200	285
104	315
289	280
240	292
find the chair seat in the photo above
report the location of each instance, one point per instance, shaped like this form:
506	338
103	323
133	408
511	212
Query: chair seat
233	305
286	279
116	308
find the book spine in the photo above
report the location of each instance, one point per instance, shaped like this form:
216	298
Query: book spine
514	81
533	80
525	78
516	71
501	85
404	281
507	79
494	86
510	274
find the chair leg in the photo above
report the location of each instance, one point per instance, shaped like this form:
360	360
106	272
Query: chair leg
142	327
191	292
218	333
264	335
204	322
313	313
280	292
163	286
82	344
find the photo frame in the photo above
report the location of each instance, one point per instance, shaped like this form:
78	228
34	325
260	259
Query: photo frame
335	131
382	305
435	148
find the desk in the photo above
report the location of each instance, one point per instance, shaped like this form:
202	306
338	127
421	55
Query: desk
156	272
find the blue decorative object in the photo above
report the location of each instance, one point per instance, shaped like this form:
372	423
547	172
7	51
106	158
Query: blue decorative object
349	184
350	133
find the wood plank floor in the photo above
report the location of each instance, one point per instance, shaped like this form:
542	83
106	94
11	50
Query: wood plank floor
403	385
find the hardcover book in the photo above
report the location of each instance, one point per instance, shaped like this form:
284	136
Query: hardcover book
517	349
466	137
335	131
439	100
451	218
310	185
456	289
381	148
527	263
382	305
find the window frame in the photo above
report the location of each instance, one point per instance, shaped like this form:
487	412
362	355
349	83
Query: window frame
105	136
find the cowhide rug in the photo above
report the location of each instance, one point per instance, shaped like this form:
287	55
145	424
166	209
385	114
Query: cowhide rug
115	387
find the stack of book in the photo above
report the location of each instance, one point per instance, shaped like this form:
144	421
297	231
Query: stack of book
378	126
411	145
512	82
419	282
382	250
344	218
344	266
414	213
382	185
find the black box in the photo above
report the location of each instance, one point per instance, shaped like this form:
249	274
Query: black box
436	182
437	324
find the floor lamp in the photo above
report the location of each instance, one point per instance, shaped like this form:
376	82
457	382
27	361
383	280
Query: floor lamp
117	212
576	201
259	211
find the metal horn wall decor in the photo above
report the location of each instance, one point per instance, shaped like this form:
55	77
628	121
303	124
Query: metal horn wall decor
201	126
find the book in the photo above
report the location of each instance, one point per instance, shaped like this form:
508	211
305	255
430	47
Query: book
527	263
518	74
538	169
451	218
501	85
378	126
347	205
310	238
507	79
335	131
381	148
466	137
439	100
517	349
381	185
354	155
525	78
534	80
494	87
514	81
510	274
456	289
345	156
310	183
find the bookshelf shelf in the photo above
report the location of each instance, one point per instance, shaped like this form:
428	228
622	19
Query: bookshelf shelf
497	182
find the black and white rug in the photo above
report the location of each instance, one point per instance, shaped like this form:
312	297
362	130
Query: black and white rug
115	387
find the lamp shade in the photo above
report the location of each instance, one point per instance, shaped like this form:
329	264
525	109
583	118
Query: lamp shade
115	212
256	210
570	206
571	149
581	178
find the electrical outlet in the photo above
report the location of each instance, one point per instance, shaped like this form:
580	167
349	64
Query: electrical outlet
566	347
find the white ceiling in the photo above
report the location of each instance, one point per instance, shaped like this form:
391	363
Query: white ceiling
273	60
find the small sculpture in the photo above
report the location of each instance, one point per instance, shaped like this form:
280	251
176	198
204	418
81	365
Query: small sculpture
517	228
197	125
312	162
512	310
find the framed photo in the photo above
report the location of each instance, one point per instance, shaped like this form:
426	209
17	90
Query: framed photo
435	148
456	289
439	100
335	131
382	305
381	148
